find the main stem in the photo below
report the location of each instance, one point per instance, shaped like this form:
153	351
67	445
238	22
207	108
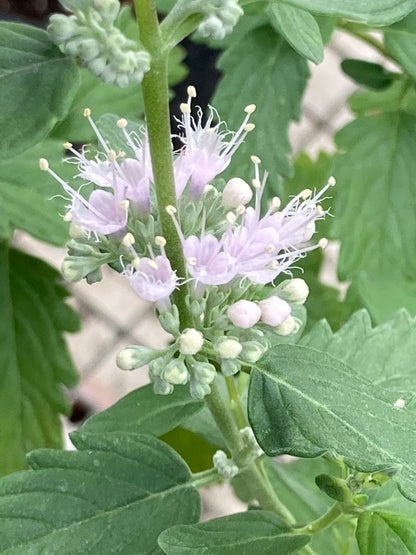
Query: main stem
258	486
156	103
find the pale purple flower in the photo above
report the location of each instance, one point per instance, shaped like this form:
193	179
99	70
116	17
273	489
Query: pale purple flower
207	149
206	261
153	279
263	247
121	183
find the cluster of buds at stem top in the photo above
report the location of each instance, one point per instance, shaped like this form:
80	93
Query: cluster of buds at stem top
230	247
90	35
220	17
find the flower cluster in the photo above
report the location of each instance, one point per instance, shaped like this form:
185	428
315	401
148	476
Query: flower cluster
233	252
90	35
220	18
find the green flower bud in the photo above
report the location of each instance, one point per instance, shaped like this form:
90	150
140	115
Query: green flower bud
73	46
94	277
198	390
89	50
75	268
226	467
252	351
229	367
136	356
212	27
61	28
204	372
160	387
169	320
289	326
176	372
108	9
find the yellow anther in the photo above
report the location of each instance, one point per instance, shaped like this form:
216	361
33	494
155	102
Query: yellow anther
250	109
122	123
191	90
87	112
184	108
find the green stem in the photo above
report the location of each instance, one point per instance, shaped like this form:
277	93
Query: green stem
156	103
323	521
226	424
361	32
206	478
236	407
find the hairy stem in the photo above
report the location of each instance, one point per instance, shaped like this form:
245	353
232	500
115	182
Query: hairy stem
206	478
156	103
323	521
236	407
260	489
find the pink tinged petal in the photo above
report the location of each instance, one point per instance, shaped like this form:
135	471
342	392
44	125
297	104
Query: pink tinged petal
99	214
206	262
274	311
136	180
244	314
154	283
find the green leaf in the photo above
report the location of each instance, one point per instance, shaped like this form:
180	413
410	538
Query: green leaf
276	85
400	41
34	358
386	533
305	402
143	411
384	355
373	12
368	74
375	215
299	29
242	533
383	296
29	198
114	495
195	450
38	85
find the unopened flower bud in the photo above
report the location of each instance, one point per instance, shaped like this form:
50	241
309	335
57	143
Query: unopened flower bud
252	351
225	466
228	348
190	342
204	372
108	9
230	366
160	387
290	325
244	314
237	192
176	372
61	28
136	356
75	268
198	390
169	320
293	290
274	311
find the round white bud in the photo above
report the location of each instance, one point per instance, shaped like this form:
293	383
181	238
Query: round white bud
294	290
290	325
135	356
244	314
190	342
228	348
237	192
274	311
176	372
